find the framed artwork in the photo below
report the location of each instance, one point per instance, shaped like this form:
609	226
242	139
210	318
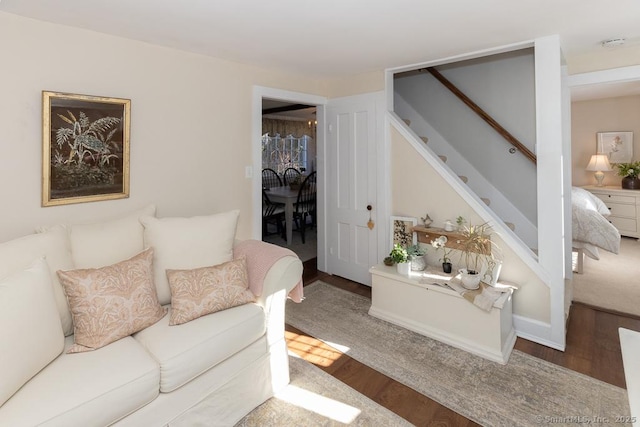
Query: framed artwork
85	148
618	146
401	231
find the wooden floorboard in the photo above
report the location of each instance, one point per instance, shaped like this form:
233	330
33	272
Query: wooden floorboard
592	348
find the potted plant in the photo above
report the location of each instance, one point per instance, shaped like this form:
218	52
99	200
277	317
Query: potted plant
460	221
441	243
475	246
629	173
401	258
416	255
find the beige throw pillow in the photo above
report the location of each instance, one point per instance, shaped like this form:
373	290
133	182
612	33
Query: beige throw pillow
111	302
201	291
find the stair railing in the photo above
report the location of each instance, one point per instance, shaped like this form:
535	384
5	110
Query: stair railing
483	115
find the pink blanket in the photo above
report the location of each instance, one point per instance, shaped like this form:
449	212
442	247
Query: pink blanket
260	257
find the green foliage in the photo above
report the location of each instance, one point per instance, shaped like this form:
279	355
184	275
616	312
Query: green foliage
416	250
399	254
631	170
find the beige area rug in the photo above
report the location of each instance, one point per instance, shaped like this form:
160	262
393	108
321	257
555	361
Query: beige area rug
315	398
612	281
312	398
525	392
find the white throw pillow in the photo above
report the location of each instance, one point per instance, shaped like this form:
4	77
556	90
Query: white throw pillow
108	242
31	335
18	254
187	243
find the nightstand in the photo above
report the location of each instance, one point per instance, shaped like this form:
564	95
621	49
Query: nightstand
624	206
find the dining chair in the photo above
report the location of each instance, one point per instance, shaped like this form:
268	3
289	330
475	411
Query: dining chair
270	178
290	175
306	205
272	213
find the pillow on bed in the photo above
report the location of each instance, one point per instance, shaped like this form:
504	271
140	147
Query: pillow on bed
582	198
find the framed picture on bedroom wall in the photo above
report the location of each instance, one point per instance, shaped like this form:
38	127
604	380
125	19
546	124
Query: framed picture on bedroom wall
618	146
85	148
402	231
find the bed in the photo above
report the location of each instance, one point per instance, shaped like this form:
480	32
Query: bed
590	227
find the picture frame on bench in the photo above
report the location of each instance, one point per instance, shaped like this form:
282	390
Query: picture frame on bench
401	231
85	148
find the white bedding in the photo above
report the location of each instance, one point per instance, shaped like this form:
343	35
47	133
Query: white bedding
590	227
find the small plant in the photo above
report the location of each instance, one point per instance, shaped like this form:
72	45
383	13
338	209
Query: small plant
631	170
460	221
416	250
388	261
441	243
399	254
476	245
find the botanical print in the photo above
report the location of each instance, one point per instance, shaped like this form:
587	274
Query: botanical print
618	146
86	145
401	231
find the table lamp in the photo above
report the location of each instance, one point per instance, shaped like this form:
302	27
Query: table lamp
600	164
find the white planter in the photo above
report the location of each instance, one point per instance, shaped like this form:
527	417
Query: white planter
418	263
403	268
469	281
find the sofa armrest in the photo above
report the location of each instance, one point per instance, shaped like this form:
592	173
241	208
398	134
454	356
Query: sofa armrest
273	272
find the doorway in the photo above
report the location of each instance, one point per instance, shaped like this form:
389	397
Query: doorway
279	105
289	157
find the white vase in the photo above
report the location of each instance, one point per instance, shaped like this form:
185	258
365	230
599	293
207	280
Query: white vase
403	268
469	281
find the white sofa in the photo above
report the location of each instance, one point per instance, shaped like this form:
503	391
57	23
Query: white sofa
219	366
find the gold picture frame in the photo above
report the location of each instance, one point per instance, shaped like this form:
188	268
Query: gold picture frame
85	148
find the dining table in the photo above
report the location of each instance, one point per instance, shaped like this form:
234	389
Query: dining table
288	197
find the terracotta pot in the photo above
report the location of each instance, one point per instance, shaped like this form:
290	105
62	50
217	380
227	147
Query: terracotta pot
629	183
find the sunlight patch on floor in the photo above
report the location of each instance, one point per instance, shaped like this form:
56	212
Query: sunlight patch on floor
319	404
312	350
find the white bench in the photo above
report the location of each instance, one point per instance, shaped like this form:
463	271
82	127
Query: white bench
442	313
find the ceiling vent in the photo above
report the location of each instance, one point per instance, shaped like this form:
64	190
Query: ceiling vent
619	41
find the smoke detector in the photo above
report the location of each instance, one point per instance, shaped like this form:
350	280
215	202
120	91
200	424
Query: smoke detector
618	41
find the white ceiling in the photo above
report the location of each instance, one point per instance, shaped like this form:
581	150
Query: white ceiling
332	38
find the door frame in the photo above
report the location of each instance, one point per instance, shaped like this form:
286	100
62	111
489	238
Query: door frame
260	92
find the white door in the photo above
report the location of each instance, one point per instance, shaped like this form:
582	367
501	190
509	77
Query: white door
353	131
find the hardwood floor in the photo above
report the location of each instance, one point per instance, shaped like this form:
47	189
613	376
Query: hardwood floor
593	349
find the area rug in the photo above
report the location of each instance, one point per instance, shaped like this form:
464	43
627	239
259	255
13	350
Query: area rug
526	391
313	398
612	281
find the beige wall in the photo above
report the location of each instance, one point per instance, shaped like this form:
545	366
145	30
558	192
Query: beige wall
190	122
417	189
601	115
604	59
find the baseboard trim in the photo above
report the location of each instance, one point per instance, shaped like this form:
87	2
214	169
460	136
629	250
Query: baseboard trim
536	331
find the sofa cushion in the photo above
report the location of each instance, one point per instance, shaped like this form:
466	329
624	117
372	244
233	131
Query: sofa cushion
185	351
18	254
206	290
94	388
30	333
186	243
107	242
111	302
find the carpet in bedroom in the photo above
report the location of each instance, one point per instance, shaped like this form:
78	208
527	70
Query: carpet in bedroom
524	392
612	282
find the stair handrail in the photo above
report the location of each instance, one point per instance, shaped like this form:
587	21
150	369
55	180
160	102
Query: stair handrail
483	114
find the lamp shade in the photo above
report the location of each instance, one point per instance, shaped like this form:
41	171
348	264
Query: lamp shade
599	162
